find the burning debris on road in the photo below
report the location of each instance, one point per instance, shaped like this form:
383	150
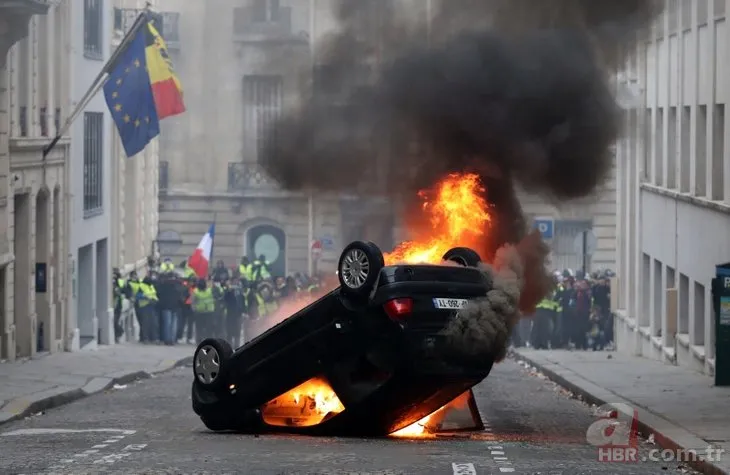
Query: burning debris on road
487	96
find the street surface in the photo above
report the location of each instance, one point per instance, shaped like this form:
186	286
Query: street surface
148	427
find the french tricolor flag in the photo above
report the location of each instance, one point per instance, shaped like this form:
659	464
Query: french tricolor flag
200	259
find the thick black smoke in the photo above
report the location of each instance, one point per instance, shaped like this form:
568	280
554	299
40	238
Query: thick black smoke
515	90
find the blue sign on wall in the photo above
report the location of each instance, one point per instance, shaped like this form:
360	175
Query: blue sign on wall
328	243
546	226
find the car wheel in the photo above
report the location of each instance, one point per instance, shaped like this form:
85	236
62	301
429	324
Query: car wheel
463	256
210	363
359	267
380	254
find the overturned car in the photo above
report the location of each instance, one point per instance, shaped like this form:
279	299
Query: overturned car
367	359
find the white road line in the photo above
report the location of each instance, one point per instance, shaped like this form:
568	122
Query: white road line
100	446
497	452
464	469
111	441
499	458
21	432
495	447
506	469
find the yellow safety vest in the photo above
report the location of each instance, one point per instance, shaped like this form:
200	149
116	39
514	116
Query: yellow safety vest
262	273
189	272
246	271
203	301
167	267
150	294
265	308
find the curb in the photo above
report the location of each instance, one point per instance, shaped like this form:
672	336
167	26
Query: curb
667	435
23	407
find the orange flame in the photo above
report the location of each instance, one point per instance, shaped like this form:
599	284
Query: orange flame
306	405
457	214
420	429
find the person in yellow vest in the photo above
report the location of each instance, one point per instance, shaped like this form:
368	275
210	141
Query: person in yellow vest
147	301
167	266
122	290
544	321
245	269
134	289
203	305
266	303
260	269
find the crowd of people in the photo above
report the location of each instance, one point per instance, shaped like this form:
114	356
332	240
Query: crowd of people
173	305
577	315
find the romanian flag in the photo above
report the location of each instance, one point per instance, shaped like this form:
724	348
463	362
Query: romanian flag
166	87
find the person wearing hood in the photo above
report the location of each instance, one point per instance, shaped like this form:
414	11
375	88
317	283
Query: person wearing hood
122	291
170	298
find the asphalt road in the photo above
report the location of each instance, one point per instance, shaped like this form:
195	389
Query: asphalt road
149	428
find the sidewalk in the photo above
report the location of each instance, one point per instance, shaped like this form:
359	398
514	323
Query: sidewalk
681	408
37	384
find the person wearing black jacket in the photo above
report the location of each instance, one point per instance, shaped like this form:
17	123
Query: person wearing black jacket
233	299
170	297
122	290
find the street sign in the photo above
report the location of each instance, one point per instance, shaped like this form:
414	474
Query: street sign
546	226
585	243
316	248
328	243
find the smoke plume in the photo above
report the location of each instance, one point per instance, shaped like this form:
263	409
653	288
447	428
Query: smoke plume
517	91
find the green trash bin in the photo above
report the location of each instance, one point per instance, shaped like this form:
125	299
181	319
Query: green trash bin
721	304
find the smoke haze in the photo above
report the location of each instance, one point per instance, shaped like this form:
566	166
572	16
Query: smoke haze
517	91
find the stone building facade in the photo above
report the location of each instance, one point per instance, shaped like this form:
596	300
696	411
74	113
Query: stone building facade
34	192
255	55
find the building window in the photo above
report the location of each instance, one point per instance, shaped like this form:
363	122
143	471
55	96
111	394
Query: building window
685	155
659	148
118	19
164	178
671	182
265	11
263	102
718	153
93	163
93	29
701	152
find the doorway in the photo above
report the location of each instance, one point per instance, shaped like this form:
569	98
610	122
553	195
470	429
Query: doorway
42	273
271	242
25	327
85	299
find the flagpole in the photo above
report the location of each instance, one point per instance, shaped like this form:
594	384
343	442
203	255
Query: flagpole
310	197
98	81
211	264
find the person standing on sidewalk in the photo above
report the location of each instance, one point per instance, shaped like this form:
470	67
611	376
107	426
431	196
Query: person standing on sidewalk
203	305
170	297
583	304
122	291
233	298
185	319
147	300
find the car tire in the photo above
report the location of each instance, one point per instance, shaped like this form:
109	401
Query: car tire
359	267
211	360
463	256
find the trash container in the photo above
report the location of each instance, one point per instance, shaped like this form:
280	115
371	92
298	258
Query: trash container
721	304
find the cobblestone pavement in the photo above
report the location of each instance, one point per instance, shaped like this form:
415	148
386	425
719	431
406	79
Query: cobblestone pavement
148	427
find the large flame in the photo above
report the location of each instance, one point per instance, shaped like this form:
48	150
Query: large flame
458	215
306	405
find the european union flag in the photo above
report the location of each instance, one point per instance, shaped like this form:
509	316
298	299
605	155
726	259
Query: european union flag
128	93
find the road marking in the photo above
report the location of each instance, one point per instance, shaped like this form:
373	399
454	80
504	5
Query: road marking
100	446
495	447
499	458
21	432
464	469
506	469
497	452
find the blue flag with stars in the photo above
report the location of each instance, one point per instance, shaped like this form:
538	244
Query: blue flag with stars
128	94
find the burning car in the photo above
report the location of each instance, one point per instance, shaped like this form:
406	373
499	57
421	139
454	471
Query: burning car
367	359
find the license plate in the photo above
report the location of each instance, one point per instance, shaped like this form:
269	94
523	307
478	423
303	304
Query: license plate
450	304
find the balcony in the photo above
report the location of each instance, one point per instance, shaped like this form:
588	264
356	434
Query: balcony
167	23
247	28
14	18
248	175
